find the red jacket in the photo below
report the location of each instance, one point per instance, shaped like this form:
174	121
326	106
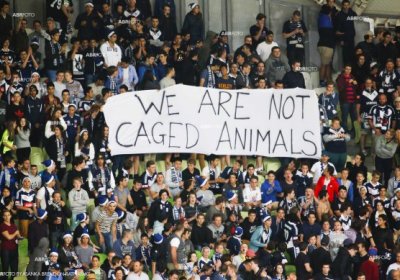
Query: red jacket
332	187
370	269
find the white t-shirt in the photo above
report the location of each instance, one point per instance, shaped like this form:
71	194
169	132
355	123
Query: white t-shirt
58	88
135	276
264	50
250	195
175	242
112	55
125	77
206	172
41	195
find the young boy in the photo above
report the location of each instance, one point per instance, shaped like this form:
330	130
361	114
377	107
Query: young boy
344	181
8	177
111	79
345	216
382	198
235	242
374	184
143	252
178	213
35	178
87	102
303	179
329	100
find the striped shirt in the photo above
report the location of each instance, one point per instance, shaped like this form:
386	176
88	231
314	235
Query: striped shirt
350	94
25	198
105	221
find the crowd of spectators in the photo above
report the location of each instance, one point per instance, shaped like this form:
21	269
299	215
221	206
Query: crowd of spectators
328	218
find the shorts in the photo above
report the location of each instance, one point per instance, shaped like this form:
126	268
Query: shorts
326	55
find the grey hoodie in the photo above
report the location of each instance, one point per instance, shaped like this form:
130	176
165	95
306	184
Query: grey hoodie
276	68
37	258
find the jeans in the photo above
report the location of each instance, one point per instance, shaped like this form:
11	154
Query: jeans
90	78
107	246
384	165
338	160
118	164
73	221
9	260
52	74
348	108
55	238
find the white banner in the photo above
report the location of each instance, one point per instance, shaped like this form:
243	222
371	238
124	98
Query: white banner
185	119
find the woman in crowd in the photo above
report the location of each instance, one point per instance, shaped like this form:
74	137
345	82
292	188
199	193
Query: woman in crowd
84	147
56	119
9	236
22	134
57	149
7	139
68	259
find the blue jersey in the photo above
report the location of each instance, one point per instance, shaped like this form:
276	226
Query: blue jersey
73	123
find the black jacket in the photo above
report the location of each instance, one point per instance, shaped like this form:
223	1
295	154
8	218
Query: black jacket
168	27
201	236
248	228
158	211
56	211
51	147
194	25
294	79
319	257
34	110
342	266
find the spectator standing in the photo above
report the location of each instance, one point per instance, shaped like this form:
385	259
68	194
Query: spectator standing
345	31
294	31
193	23
78	199
386	146
347	87
259	31
326	43
54	55
110	50
22	134
9	243
5	22
335	139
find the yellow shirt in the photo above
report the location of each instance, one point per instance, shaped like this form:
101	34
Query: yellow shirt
5	141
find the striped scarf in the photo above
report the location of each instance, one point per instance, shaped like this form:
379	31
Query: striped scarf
211	78
176	175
